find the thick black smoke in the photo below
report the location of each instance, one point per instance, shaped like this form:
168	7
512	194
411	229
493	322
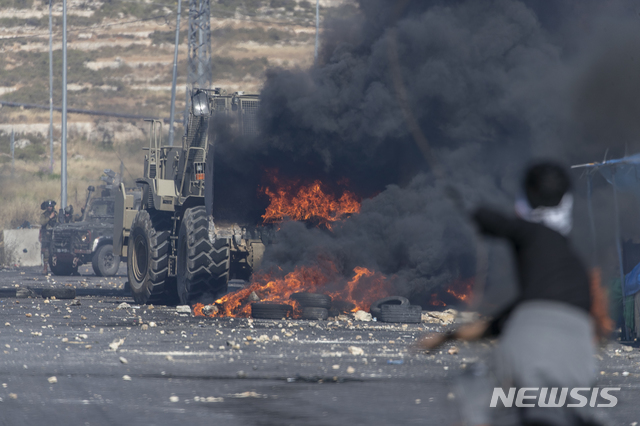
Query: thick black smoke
491	84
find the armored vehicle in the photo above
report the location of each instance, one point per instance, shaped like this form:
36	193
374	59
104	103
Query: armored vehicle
89	240
175	252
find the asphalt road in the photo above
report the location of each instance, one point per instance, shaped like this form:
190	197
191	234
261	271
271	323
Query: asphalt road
155	366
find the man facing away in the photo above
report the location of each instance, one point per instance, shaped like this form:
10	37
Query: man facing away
546	336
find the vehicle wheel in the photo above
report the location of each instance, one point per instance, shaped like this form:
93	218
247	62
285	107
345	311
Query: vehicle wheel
147	260
392	300
270	310
312	300
400	313
315	314
104	262
203	268
63	268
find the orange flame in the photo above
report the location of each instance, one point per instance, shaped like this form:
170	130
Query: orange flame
296	201
363	289
461	290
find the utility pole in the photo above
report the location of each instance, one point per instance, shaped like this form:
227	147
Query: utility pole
175	76
199	64
63	154
315	52
50	91
13	157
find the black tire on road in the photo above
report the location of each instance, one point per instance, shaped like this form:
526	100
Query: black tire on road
59	293
312	300
315	313
148	260
104	262
391	300
400	313
63	268
270	310
203	268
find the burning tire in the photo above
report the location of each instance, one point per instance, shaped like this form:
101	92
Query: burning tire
270	310
148	260
104	262
392	300
315	314
203	268
400	313
312	300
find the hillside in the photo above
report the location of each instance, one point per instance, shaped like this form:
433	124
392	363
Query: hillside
120	58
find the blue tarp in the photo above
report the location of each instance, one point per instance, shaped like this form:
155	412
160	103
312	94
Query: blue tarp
623	173
632	281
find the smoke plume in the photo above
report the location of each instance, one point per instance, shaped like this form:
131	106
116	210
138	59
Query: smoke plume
491	85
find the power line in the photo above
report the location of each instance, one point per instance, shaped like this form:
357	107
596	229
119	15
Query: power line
247	17
83	111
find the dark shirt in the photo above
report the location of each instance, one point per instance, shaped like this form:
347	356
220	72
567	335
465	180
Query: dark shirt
548	268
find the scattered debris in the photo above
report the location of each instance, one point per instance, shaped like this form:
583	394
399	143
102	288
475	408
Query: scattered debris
350	370
144	327
174	398
152	324
626	348
116	344
124	360
335	366
124	305
52	379
248	395
207	399
23	293
452	350
126	378
253	297
13	396
362	316
395	361
436	317
210	310
183	309
354	350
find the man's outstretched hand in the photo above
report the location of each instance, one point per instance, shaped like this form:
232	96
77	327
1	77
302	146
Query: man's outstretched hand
468	332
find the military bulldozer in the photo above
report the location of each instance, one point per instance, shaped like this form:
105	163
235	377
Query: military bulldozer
175	252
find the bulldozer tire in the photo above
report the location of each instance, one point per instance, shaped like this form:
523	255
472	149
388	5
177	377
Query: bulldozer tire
104	262
63	268
147	260
203	267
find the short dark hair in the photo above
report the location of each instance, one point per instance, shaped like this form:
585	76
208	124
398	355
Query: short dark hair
545	183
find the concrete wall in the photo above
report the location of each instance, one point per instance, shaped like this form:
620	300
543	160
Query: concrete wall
21	247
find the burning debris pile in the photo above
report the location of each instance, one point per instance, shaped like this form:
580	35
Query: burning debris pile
361	290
